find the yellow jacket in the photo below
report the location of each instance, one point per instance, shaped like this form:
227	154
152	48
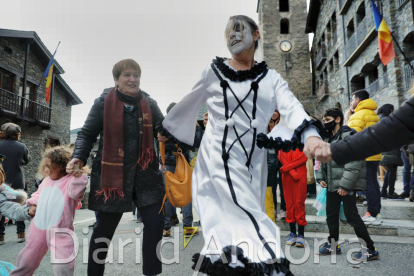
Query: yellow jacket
364	117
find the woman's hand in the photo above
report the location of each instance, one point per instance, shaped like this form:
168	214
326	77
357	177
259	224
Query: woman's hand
74	167
162	138
323	184
318	149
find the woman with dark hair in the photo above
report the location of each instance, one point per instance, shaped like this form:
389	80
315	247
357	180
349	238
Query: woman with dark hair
391	160
17	157
126	168
385	110
230	174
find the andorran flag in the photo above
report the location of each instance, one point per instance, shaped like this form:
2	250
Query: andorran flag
49	83
386	47
48	75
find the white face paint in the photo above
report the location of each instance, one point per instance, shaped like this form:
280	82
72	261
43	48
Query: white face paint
239	40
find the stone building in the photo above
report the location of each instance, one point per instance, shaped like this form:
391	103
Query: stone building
286	46
23	60
344	53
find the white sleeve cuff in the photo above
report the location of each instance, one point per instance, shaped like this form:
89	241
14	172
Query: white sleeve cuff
310	131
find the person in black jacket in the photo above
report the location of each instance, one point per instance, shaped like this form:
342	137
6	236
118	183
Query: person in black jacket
407	154
390	133
171	218
17	156
391	160
142	181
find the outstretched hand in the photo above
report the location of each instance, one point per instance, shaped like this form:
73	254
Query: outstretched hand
162	138
317	149
74	167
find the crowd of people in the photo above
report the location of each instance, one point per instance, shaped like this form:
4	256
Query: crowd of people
257	140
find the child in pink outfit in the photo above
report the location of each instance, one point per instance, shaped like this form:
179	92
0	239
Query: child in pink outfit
54	203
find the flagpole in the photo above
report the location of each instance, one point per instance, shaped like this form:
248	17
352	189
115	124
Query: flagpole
405	57
43	78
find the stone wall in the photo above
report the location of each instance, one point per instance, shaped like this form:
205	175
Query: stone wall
336	76
293	66
34	137
363	70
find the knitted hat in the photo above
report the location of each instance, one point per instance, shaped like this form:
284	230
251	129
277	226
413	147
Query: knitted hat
11	129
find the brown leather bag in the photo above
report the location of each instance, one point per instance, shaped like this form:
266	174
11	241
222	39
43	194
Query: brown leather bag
177	184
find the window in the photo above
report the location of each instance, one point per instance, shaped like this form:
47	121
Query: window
373	76
333	26
328	33
51	142
350	29
30	88
322	43
336	62
283	5
6	81
357	83
27	103
331	66
8	50
284	26
360	15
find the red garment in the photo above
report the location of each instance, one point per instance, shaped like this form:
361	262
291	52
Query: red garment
294	181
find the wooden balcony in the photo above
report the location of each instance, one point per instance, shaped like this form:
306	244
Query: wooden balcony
22	109
323	92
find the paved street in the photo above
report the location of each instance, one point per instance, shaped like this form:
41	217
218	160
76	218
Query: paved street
397	253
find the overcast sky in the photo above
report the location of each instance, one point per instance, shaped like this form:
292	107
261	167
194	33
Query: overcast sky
172	40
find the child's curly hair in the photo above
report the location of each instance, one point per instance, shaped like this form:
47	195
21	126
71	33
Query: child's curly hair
59	157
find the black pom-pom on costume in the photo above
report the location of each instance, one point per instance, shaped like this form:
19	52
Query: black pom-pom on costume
224	84
225	156
255	86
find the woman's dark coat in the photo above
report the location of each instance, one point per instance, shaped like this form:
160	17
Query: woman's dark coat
146	187
17	156
390	133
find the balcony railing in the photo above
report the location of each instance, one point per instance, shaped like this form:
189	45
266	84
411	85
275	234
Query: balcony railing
351	45
344	6
359	35
408	75
13	105
400	3
341	4
320	57
323	92
377	85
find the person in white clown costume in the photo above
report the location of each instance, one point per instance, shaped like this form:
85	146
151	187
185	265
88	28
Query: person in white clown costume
229	178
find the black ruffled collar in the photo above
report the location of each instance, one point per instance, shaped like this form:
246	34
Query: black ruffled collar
239	76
